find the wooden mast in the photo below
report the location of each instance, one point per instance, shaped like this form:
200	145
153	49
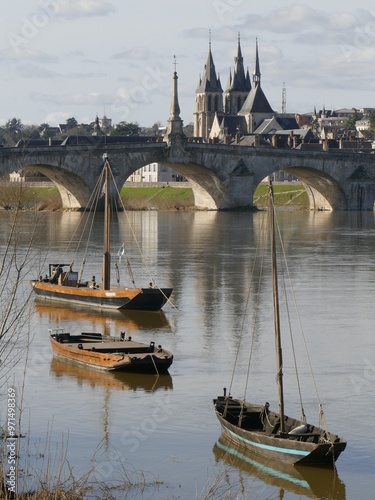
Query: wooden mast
276	308
106	254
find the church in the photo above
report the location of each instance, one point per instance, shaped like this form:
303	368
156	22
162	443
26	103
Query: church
242	112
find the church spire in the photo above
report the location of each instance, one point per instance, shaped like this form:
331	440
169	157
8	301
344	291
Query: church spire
256	74
239	71
239	84
175	123
209	82
175	107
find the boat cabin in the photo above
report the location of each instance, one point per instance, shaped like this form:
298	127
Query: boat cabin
63	275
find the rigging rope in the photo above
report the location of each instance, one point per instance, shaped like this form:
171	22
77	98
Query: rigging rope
321	413
91	208
285	273
255	314
152	280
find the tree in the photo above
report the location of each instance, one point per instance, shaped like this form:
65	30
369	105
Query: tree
125	128
13	131
72	123
353	119
30	132
14	125
45	131
372	121
155	128
15	264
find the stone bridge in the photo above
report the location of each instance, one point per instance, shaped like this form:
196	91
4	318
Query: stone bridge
222	176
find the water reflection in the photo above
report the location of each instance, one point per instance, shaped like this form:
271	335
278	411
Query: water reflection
108	321
311	482
110	380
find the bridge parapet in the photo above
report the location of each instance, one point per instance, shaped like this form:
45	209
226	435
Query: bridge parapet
222	176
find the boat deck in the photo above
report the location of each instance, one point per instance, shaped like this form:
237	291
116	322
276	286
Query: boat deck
100	343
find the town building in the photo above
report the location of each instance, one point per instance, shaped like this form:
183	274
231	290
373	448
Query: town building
242	111
155	172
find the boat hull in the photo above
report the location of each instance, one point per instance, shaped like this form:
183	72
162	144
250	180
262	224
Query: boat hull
308	482
308	449
150	299
147	299
142	360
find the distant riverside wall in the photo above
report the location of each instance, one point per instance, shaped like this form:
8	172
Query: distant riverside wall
127	184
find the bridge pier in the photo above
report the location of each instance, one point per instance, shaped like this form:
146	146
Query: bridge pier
361	196
223	176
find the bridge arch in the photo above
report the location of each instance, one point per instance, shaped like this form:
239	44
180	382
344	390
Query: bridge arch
223	176
324	192
209	189
74	191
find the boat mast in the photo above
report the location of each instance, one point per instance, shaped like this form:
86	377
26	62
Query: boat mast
106	254
276	309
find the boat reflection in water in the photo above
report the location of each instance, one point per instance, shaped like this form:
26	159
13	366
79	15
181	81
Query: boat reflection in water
121	381
108	321
311	482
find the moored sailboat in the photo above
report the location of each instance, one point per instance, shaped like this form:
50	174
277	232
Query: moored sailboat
306	482
274	435
104	352
65	285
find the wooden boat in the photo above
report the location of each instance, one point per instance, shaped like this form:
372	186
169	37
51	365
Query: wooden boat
110	353
306	482
274	435
65	285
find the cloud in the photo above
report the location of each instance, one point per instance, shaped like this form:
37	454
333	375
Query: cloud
69	99
57	117
304	24
35	71
222	34
85	8
197	33
288	19
28	55
135	54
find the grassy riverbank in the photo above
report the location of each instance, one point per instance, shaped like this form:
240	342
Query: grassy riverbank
286	194
148	198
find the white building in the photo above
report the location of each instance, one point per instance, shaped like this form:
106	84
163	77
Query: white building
16	177
155	172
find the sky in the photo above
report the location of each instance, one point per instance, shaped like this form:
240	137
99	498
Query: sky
82	58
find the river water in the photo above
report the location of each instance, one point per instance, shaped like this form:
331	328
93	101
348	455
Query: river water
162	433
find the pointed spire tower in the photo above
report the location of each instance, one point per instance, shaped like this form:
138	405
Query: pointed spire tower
208	97
175	124
238	86
97	129
256	73
256	108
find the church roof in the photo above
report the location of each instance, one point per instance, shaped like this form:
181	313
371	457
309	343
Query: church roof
256	102
239	82
209	82
233	123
